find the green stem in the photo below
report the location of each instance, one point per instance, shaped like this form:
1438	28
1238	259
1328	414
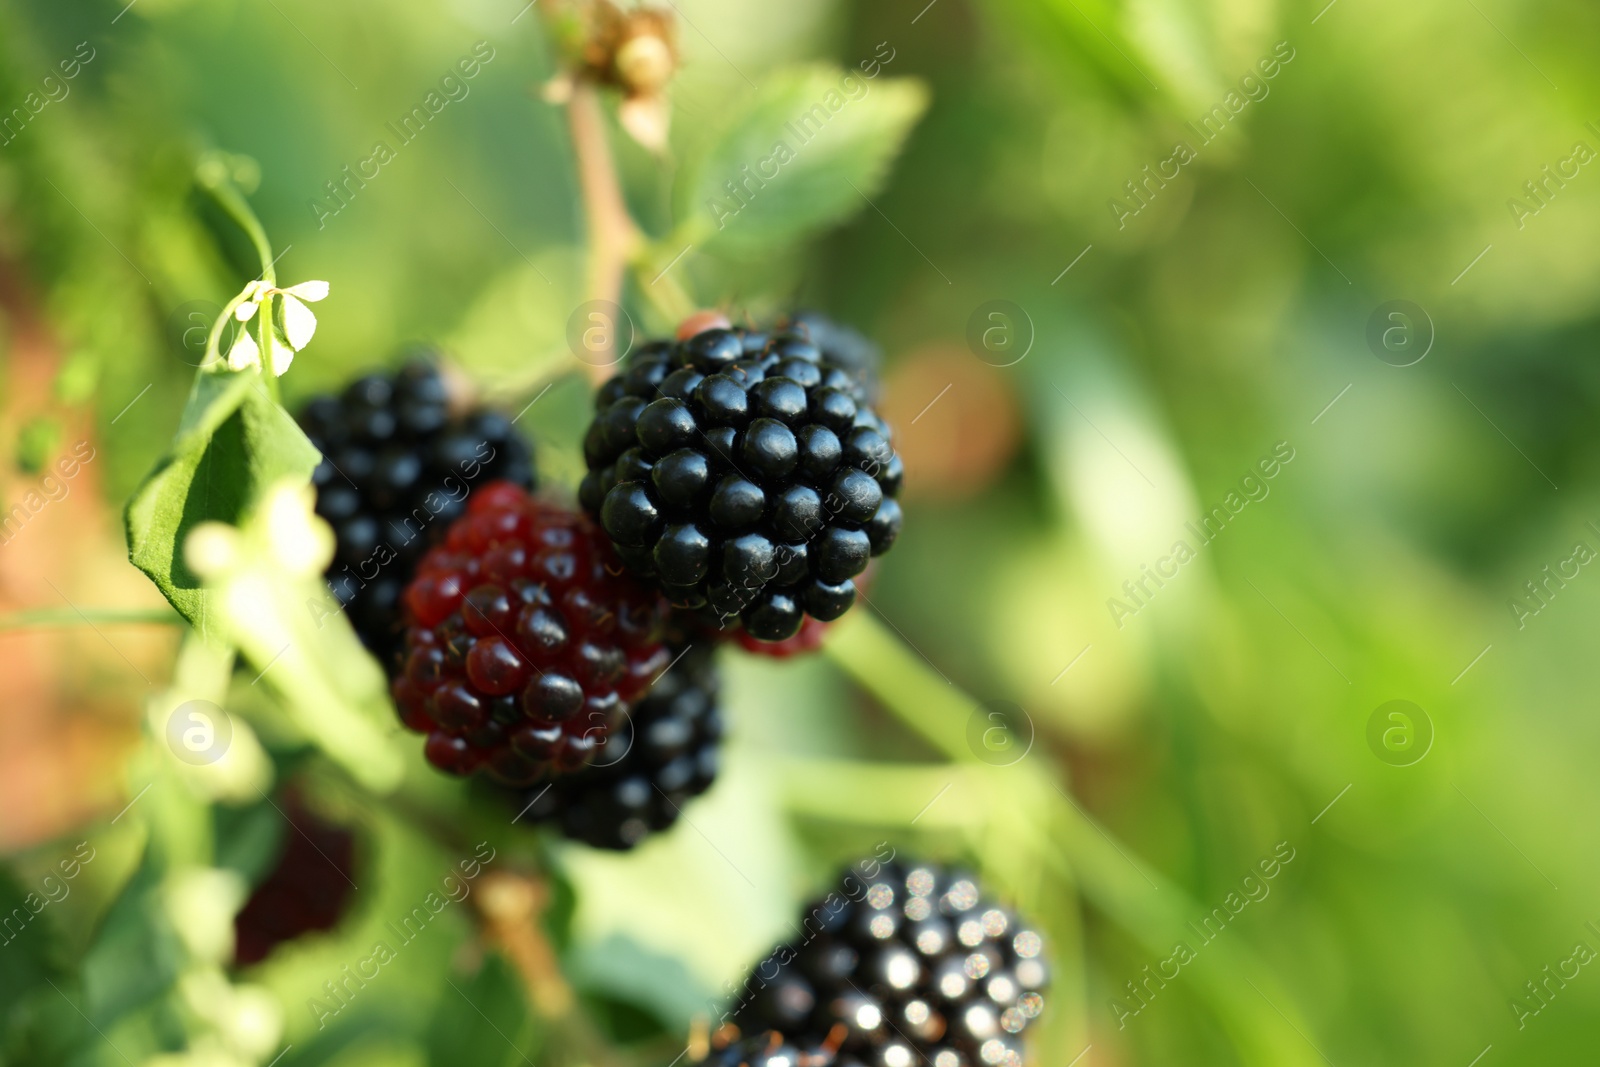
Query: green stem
43	617
1076	849
212	174
264	339
896	676
660	286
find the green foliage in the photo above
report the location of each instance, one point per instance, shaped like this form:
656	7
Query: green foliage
801	153
1185	341
232	443
37	442
482	1019
136	956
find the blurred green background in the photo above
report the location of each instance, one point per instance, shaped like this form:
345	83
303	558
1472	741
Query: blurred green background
1174	335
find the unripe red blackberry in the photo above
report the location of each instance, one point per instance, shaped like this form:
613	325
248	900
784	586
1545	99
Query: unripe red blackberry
662	755
526	640
307	889
747	475
397	469
916	966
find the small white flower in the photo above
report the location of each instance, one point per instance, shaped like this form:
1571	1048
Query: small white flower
299	324
298	321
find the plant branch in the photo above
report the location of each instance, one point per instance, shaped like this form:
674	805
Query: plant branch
511	905
612	234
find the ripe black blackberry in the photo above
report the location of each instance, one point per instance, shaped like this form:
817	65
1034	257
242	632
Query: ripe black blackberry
914	963
747	474
307	889
397	469
662	755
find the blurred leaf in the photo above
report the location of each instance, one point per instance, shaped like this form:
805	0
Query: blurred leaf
515	331
232	443
135	956
267	596
36	441
29	953
483	1019
801	155
622	969
249	839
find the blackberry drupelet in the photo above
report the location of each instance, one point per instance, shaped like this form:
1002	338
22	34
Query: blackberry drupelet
306	891
661	756
526	640
808	639
841	345
916	965
747	475
396	471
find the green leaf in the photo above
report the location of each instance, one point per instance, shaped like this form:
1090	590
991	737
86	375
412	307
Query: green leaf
514	332
135	956
232	443
29	955
802	154
268	598
483	1019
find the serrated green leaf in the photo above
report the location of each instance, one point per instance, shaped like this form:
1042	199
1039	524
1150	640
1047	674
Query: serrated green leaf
805	152
232	443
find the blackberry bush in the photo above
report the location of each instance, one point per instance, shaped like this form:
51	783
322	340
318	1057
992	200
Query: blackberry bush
526	640
747	475
660	757
307	890
917	966
397	469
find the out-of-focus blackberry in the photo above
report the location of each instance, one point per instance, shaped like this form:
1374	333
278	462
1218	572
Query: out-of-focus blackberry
748	475
663	754
917	966
771	1049
526	640
306	891
397	469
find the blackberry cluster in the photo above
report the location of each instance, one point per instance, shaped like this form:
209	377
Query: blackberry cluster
747	474
916	966
306	891
526	640
657	760
397	469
